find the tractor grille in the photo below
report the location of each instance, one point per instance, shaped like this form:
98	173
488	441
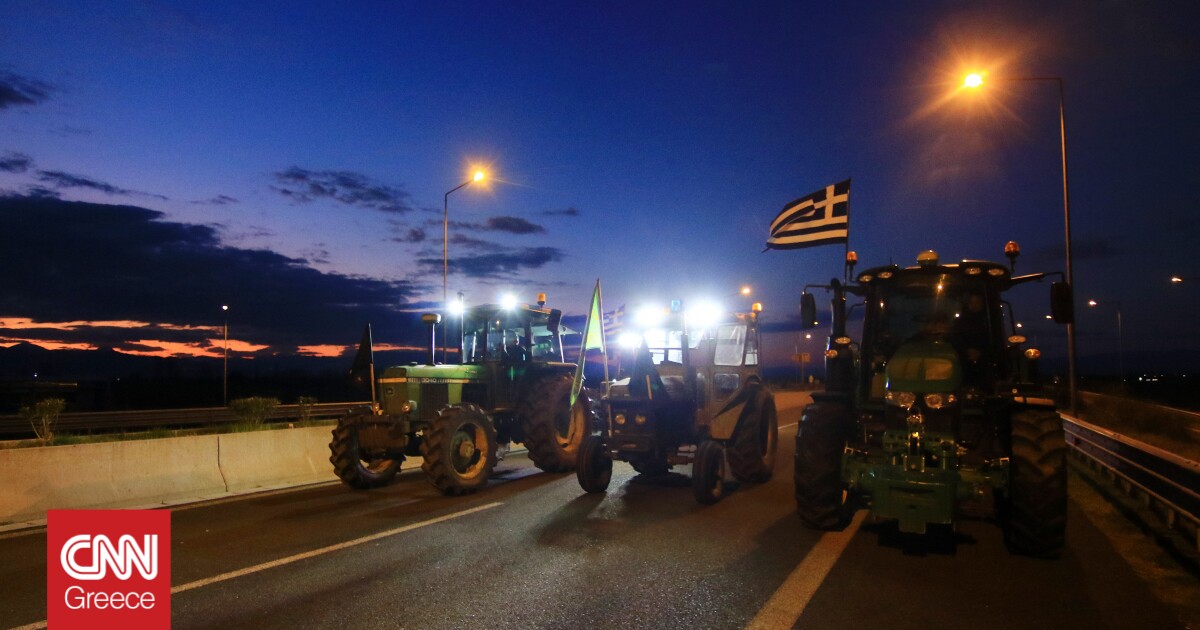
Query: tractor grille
434	396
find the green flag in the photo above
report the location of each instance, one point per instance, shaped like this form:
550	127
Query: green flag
593	339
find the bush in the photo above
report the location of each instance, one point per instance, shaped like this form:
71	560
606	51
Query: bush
43	415
253	411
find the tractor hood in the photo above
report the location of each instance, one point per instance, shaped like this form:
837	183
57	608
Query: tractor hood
924	367
431	373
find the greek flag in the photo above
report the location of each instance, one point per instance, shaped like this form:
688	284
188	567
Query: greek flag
820	218
614	321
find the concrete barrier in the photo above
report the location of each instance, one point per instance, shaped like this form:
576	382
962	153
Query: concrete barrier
294	456
147	472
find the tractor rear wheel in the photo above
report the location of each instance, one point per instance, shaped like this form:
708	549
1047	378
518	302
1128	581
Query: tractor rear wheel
459	449
818	476
594	471
355	466
1034	514
708	472
554	428
752	453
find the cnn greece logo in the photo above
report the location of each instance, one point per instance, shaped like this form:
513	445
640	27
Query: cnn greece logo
122	557
108	569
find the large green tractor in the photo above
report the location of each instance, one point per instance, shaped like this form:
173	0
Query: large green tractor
511	386
937	412
695	395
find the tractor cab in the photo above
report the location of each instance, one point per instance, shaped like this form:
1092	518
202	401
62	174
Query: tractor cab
511	334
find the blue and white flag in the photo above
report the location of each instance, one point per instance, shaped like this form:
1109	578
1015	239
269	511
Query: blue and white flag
614	321
820	218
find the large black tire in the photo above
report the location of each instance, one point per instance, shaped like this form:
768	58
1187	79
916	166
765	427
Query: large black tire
459	449
553	428
594	471
818	477
708	472
1034	515
756	440
355	467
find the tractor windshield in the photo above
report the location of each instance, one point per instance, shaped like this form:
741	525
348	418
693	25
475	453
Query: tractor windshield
516	335
924	307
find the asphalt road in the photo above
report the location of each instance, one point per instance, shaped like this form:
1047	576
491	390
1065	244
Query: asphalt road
535	551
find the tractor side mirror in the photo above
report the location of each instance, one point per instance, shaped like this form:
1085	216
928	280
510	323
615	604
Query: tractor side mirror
555	320
1062	303
808	311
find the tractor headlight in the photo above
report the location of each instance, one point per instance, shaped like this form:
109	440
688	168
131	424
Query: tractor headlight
619	418
639	419
407	406
901	399
939	400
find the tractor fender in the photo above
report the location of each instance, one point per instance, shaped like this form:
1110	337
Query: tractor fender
725	421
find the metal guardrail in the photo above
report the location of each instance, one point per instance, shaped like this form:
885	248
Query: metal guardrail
14	427
1163	481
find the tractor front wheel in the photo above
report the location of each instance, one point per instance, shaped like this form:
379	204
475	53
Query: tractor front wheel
594	471
359	468
752	453
459	449
554	428
708	472
1034	514
818	476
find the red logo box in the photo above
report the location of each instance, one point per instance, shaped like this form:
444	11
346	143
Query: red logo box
108	569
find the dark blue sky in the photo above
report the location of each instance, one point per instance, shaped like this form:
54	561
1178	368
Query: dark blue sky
647	144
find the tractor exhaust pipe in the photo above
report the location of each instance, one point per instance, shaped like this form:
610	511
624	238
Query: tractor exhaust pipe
433	319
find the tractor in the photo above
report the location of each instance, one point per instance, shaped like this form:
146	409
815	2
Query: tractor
511	385
694	395
938	413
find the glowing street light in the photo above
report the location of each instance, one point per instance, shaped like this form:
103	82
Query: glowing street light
479	176
974	81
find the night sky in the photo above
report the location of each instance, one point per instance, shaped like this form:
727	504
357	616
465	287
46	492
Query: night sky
160	159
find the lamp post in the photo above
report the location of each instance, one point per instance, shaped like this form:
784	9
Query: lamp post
1120	340
225	371
477	177
974	81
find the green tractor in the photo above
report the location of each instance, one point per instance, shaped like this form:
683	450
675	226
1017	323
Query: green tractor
938	411
694	398
511	386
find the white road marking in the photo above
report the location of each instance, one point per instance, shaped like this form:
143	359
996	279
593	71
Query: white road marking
784	608
324	550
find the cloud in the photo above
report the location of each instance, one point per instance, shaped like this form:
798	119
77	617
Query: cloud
515	225
564	212
414	235
59	179
345	187
500	264
219	200
18	90
462	240
71	261
12	162
512	225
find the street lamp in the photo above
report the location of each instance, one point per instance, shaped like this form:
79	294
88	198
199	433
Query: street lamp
974	80
225	371
477	177
1120	340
